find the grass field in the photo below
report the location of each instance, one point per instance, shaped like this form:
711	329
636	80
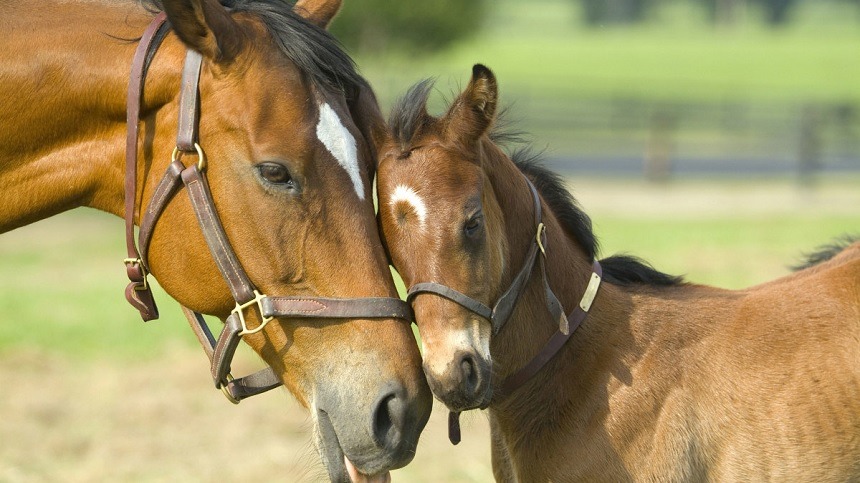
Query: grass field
93	394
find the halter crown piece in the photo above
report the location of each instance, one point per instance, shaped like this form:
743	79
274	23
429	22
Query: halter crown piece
246	295
504	307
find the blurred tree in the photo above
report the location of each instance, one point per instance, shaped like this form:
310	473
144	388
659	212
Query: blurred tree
777	11
372	26
724	12
598	12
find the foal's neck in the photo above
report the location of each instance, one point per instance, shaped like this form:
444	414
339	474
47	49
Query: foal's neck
553	397
65	70
568	268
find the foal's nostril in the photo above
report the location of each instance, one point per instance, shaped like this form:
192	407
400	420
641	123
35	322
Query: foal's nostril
470	373
387	419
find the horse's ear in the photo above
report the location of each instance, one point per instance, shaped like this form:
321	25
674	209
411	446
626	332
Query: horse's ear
318	12
205	26
473	112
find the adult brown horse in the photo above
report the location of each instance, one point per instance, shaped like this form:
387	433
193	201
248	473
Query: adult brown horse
283	194
662	381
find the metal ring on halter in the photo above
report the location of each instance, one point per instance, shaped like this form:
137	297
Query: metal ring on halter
227	392
239	311
201	158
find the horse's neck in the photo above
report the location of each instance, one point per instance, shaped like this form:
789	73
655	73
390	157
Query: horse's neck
63	77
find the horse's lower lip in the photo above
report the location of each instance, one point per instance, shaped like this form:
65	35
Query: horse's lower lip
338	465
359	477
329	446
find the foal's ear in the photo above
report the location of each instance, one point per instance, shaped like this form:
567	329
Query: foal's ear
205	26
318	12
474	110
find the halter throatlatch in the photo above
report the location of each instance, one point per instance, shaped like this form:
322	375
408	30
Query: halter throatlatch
220	351
504	307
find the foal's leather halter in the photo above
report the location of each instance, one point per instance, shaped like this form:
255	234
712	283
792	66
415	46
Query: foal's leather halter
244	292
504	307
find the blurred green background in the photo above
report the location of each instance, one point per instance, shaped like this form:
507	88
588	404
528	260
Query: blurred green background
717	139
655	88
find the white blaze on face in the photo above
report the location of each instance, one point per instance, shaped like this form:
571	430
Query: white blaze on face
340	143
405	194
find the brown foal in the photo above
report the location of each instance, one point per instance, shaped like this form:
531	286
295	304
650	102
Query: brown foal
287	126
662	381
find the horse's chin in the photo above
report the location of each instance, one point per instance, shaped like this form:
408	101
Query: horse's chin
340	469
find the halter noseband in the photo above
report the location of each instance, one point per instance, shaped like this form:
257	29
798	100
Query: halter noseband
504	307
246	295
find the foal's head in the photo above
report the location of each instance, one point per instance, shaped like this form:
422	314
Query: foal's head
441	221
288	129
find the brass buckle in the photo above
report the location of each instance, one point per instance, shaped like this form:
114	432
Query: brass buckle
239	311
201	158
540	231
227	392
139	263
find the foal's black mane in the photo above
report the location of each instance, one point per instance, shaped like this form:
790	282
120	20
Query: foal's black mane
618	269
824	253
314	51
409	116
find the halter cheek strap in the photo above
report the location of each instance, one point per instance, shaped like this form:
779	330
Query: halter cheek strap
137	292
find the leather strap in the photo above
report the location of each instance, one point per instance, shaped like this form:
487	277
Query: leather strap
220	356
189	102
215	236
164	192
450	294
137	292
552	346
322	307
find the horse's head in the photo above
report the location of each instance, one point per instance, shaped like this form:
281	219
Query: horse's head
442	223
288	126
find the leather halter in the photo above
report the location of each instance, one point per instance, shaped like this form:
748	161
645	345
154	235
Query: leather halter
504	307
246	295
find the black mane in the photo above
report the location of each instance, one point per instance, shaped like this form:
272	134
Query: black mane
618	269
406	120
314	51
824	253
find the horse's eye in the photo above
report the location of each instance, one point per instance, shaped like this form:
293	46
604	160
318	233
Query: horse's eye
473	226
275	173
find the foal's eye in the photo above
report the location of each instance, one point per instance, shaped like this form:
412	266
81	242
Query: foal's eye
473	225
275	173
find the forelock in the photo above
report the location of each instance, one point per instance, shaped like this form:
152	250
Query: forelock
409	115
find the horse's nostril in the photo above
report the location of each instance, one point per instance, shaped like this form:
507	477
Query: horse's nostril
387	419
